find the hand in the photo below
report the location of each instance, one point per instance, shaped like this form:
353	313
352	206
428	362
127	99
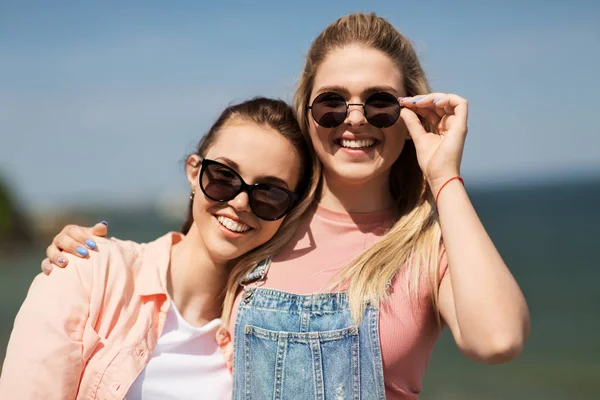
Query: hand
439	154
73	239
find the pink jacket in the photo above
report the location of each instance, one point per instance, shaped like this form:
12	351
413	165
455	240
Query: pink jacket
87	331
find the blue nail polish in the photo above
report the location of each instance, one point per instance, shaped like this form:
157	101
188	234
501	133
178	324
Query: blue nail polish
104	222
82	251
436	100
61	260
90	243
417	99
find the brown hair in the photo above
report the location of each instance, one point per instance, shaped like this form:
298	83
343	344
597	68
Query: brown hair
278	115
416	236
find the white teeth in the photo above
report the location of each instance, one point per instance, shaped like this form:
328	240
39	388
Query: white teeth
357	144
232	225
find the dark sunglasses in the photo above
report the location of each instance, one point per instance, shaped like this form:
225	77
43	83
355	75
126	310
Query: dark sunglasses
381	109
222	183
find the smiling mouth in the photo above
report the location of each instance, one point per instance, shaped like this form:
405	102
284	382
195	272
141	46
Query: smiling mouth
232	225
356	144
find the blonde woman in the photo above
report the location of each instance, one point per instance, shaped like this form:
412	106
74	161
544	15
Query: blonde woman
140	321
393	250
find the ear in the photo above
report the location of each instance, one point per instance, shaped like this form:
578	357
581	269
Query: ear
192	169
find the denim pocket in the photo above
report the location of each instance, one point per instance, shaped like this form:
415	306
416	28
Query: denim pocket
301	365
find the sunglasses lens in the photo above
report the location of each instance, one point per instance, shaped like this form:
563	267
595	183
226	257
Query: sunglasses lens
329	110
382	110
220	183
270	202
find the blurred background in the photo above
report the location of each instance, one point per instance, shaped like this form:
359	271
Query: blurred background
100	102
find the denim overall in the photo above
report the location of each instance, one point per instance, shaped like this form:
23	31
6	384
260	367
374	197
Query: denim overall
297	347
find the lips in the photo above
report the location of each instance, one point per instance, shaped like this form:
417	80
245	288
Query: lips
233	225
356	144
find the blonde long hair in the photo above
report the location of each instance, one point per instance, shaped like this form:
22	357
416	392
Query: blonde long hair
414	240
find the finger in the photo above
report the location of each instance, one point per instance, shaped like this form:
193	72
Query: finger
452	104
424	106
413	124
56	256
457	107
46	266
100	229
422	99
69	245
81	235
430	115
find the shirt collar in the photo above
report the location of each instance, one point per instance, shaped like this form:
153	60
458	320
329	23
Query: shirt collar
156	257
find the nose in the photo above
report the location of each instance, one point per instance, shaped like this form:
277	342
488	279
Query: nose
356	115
241	202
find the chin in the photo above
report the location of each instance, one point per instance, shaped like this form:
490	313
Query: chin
224	254
222	250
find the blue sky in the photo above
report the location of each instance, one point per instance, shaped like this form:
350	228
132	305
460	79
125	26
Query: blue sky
99	102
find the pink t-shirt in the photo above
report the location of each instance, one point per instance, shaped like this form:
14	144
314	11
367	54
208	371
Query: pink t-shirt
326	242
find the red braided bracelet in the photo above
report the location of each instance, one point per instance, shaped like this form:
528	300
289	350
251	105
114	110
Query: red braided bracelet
444	185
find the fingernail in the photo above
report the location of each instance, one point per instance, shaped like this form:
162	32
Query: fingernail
82	251
417	99
61	260
104	222
46	269
436	100
90	243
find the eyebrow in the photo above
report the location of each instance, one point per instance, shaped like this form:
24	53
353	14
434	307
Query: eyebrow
260	179
345	92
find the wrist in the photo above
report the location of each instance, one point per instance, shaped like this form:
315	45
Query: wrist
454	179
435	184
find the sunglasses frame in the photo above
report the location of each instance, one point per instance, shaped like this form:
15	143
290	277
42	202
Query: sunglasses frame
310	107
244	187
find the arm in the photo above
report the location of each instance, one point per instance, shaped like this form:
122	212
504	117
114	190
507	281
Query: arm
479	298
44	359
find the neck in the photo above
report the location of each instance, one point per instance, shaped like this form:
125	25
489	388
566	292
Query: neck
360	197
195	283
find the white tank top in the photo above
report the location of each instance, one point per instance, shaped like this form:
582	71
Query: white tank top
186	364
